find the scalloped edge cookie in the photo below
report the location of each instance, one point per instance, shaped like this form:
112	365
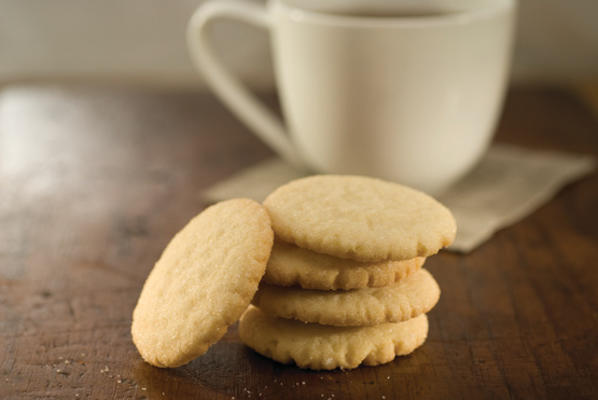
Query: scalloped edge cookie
417	294
202	283
359	218
290	265
320	347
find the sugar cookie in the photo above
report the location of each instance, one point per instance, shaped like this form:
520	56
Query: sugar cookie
290	265
317	347
359	218
417	294
202	283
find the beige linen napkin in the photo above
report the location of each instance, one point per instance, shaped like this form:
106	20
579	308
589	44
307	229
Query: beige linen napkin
508	184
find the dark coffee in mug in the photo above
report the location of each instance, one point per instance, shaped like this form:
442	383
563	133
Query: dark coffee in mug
389	8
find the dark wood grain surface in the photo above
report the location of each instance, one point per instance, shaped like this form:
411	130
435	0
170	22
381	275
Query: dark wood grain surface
95	181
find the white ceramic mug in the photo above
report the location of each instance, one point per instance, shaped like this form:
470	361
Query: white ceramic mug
412	97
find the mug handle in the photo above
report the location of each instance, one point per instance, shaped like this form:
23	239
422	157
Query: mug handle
246	106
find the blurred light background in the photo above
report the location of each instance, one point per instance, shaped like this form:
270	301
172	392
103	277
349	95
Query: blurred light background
142	42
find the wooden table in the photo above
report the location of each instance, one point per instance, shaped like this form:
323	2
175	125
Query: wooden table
95	181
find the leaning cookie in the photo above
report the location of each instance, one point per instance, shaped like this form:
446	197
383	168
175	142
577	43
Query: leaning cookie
204	280
319	347
417	294
290	265
359	218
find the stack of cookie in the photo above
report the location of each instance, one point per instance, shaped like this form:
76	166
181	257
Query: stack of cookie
344	284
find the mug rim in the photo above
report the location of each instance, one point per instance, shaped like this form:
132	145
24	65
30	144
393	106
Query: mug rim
457	18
